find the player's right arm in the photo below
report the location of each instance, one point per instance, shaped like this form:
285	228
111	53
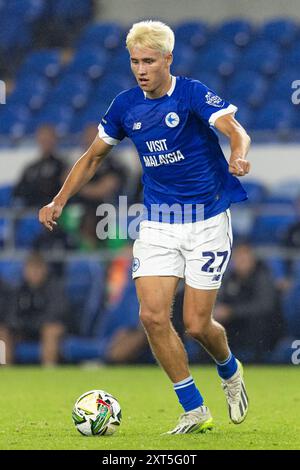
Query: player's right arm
80	174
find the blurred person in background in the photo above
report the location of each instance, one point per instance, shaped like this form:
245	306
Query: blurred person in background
109	180
42	179
248	304
288	275
120	332
87	240
38	311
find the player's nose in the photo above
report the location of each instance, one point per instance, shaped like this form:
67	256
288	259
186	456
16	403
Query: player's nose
141	71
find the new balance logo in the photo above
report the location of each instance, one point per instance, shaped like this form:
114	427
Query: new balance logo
217	277
137	126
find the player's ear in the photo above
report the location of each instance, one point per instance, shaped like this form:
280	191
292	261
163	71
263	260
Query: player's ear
169	58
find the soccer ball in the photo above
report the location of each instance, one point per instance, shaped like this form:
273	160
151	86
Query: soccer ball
97	413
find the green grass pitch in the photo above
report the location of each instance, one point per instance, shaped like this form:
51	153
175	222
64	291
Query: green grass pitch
36	407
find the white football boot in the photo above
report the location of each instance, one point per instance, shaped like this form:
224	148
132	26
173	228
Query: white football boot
236	396
194	422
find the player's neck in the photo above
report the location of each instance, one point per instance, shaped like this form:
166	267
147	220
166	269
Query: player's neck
162	90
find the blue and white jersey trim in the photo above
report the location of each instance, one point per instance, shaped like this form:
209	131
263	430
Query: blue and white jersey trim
230	109
104	136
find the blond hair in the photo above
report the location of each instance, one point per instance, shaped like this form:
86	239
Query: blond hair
151	34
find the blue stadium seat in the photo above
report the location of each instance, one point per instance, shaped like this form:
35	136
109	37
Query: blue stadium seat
14	120
248	86
45	62
6	195
291	307
242	220
281	85
219	57
124	314
295	125
281	31
90	115
28	10
89	61
191	33
256	190
4	231
72	90
30	91
107	35
289	189
120	61
261	56
237	31
110	86
269	228
11	271
275	115
75	349
292	57
58	115
28	352
85	289
15	34
28	228
210	79
279	201
72	10
184	59
276	265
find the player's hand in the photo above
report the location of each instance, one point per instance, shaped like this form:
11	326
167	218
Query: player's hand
239	167
49	214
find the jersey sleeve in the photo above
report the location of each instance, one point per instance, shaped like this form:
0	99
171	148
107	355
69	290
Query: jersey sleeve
110	128
207	105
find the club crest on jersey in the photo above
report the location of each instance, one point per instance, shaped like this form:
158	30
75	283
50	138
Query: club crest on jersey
135	264
172	119
214	100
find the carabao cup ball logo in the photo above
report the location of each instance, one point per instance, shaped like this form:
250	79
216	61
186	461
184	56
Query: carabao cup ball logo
172	119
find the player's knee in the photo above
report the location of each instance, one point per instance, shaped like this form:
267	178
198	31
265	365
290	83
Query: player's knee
153	320
197	328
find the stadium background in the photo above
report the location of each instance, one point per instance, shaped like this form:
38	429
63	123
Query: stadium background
62	61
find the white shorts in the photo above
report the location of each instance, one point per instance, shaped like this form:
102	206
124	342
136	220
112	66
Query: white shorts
198	252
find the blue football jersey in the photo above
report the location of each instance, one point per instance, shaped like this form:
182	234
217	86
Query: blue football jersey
183	163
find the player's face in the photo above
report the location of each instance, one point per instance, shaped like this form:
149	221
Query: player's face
151	69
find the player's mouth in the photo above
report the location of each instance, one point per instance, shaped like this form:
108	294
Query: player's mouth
143	81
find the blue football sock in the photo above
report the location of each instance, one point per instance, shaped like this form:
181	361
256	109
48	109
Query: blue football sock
188	394
227	368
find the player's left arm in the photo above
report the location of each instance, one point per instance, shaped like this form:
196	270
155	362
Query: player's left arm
239	143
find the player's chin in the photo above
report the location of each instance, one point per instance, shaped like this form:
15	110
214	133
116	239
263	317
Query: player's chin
144	86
